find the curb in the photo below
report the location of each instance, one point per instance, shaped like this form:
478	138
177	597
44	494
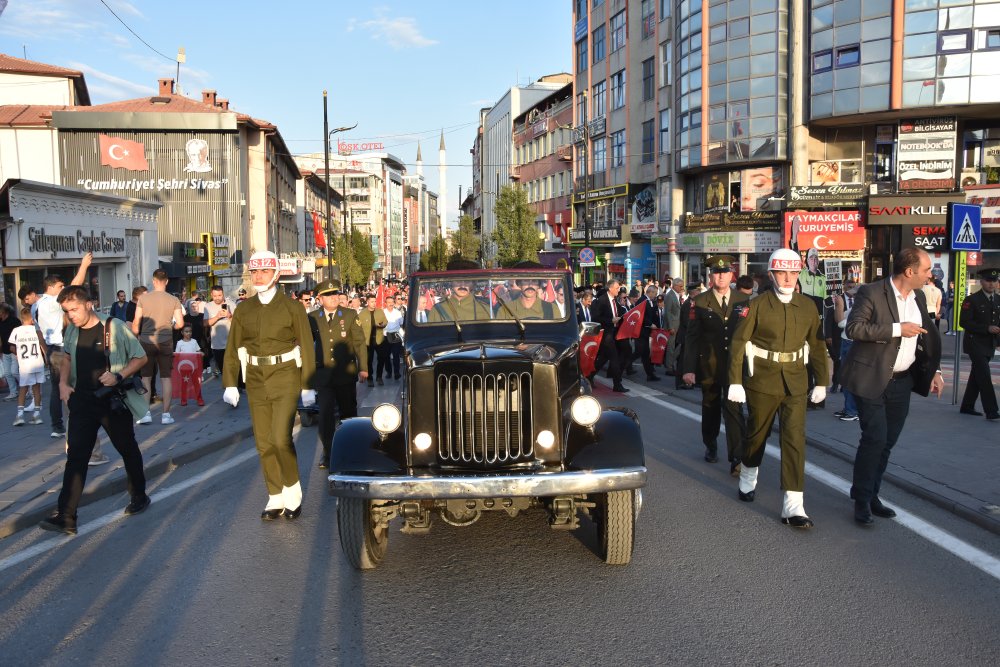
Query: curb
114	484
971	515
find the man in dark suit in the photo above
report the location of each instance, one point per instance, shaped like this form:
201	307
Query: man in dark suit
693	290
585	300
980	317
341	357
713	319
608	313
896	350
650	321
672	321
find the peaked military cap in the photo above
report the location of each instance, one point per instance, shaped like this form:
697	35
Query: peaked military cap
328	287
990	274
720	263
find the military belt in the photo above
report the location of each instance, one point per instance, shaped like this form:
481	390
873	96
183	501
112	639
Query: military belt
777	357
273	360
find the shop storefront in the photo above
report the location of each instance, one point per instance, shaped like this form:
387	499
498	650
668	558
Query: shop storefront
187	269
47	229
900	221
751	249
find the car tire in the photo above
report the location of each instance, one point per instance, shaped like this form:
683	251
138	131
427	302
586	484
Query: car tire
363	542
308	418
616	526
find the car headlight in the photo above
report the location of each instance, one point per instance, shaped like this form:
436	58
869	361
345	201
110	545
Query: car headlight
386	418
422	441
586	410
546	439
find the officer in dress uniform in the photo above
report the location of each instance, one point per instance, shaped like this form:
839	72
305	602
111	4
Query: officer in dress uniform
980	317
712	319
779	333
271	344
341	358
460	305
529	305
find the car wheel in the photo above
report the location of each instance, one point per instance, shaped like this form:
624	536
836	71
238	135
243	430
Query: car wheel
308	418
616	526
363	541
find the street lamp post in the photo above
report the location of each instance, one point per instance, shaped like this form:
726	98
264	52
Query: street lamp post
327	133
583	131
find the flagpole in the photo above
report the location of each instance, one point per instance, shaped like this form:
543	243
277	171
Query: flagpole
326	174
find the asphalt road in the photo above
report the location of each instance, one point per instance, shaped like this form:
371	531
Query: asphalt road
199	579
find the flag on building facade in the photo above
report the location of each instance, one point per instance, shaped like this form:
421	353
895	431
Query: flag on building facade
123	154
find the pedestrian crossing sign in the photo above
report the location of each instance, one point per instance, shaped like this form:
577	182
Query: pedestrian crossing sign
965	225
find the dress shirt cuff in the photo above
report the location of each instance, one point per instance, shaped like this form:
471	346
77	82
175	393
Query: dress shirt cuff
897	329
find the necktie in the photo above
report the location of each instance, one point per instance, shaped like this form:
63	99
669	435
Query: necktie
586	314
725	301
614	307
329	318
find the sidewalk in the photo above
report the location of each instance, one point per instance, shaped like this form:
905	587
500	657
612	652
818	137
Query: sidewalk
942	456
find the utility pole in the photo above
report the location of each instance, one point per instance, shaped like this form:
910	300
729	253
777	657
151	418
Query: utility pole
326	173
584	132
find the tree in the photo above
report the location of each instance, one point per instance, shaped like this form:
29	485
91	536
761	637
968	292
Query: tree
515	235
465	242
436	257
355	258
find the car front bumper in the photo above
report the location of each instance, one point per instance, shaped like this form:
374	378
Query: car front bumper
428	487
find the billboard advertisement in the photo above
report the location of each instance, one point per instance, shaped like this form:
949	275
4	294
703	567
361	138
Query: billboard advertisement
926	153
827	230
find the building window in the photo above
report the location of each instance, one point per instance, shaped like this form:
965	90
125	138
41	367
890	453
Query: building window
581	107
847	56
618	90
648	81
618	148
991	38
581	8
581	55
598	37
665	9
665	131
666	64
598	3
822	62
648	18
954	41
648	141
600	155
618	31
600	99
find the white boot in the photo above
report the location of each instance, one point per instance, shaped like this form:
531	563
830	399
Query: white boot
792	511
292	496
275	502
748	479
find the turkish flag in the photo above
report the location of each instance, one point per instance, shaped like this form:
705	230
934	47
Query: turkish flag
380	297
589	345
123	154
550	293
186	377
631	324
318	236
658	345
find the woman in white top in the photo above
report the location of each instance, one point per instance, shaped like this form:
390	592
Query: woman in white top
393	334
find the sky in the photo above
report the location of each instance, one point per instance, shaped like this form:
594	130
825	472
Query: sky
402	71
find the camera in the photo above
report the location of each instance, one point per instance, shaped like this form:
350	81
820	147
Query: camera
225	306
116	394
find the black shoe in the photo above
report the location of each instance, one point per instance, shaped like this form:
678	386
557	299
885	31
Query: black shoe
971	411
840	413
686	387
59	523
797	521
711	456
271	515
292	514
379	382
137	505
653	378
371	382
881	510
748	496
621	389
863	513
993	418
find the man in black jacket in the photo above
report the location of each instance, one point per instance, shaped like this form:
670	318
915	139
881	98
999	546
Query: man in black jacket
606	311
896	350
980	317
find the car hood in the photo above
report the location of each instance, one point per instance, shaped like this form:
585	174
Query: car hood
487	351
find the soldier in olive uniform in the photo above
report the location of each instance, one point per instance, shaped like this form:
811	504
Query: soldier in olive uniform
341	357
271	344
461	305
528	306
779	333
713	317
980	317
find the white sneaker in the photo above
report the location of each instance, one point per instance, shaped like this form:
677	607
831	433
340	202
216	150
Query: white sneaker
96	461
146	419
166	418
37	419
19	421
11	397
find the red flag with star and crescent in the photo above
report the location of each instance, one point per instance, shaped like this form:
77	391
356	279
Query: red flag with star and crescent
658	345
589	345
319	238
123	154
631	324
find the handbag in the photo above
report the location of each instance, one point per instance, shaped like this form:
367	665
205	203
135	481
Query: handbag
393	338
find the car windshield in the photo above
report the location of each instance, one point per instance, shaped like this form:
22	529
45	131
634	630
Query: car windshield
482	297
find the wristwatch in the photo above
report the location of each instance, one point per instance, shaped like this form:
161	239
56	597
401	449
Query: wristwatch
118	377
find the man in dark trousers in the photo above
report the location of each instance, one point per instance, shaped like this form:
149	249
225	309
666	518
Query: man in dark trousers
650	322
896	350
980	317
693	290
606	311
712	319
341	358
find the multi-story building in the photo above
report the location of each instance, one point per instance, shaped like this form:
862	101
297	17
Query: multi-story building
498	146
750	118
543	166
313	200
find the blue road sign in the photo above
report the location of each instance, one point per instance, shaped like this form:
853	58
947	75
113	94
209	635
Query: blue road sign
966	227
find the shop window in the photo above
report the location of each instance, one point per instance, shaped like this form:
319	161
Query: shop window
883	169
847	56
954	41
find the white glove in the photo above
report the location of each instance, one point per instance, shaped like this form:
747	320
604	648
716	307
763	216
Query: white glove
737	394
308	397
232	396
818	394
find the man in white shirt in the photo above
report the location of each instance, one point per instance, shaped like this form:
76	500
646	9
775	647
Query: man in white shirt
49	318
218	315
393	334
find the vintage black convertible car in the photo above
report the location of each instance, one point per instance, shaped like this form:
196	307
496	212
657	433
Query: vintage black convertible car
495	415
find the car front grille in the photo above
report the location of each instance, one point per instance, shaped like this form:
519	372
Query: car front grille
484	419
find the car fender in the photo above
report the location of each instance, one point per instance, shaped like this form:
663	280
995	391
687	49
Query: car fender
358	447
614	441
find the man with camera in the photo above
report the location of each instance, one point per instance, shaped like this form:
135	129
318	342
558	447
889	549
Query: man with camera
98	381
218	317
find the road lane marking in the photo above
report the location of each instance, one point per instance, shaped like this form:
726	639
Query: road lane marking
974	556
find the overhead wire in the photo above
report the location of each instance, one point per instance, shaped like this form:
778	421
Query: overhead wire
127	27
